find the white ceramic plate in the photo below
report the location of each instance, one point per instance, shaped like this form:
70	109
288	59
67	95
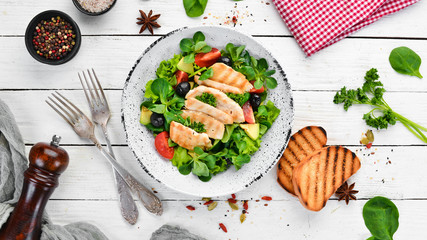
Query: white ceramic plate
141	140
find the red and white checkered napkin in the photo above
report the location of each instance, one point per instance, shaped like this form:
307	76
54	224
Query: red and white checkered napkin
317	24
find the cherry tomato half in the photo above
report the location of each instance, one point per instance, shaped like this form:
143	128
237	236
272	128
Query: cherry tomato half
181	76
248	113
162	146
207	59
254	90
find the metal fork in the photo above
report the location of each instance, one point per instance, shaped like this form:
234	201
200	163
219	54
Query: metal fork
101	115
85	129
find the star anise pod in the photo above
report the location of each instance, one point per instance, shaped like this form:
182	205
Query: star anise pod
346	192
148	21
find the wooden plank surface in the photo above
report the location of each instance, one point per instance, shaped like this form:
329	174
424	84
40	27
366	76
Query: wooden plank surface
278	220
345	63
256	17
89	176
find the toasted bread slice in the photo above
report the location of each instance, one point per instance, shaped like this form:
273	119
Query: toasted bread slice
302	144
320	175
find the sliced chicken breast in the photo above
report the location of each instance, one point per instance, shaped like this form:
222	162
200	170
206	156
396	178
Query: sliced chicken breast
225	74
220	86
188	138
214	128
196	105
224	103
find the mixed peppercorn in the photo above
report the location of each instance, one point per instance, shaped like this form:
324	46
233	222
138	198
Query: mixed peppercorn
54	38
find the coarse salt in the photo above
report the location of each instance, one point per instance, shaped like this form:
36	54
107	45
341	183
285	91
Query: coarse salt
96	5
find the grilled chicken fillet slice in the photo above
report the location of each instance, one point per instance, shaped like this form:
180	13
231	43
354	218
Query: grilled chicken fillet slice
214	128
187	137
227	75
196	105
220	86
224	103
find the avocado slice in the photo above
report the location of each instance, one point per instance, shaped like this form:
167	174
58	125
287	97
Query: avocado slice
251	129
145	116
186	67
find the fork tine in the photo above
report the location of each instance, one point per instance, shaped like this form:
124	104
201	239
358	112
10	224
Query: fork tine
85	91
94	86
71	118
100	88
57	111
76	116
77	109
94	100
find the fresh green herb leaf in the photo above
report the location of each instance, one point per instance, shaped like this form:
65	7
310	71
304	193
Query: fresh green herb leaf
200	168
199	46
186	45
405	61
149	93
207	74
241	99
195	8
229	128
186	168
372	94
196	126
158	108
240	160
267	114
189	58
198	37
381	218
167	69
235	54
180	157
206	49
161	88
207	98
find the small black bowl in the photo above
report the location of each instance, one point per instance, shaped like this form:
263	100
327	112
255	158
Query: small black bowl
46	15
81	9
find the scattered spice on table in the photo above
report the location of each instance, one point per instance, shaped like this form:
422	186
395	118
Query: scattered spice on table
346	192
242	217
54	38
148	22
267	198
191	208
96	6
222	226
212	206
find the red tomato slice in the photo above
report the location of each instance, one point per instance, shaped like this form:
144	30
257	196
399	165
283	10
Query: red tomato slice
254	90
181	76
162	146
207	59
248	113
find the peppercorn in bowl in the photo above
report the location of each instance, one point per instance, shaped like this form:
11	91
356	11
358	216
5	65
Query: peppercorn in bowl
52	37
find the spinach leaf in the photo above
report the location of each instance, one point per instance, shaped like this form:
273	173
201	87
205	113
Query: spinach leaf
190	47
161	88
199	37
186	168
405	61
229	128
207	74
180	157
195	8
149	93
240	160
381	218
200	168
186	44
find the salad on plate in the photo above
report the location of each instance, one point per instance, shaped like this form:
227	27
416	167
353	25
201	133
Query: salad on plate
207	108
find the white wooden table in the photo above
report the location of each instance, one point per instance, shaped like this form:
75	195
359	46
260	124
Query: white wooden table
110	44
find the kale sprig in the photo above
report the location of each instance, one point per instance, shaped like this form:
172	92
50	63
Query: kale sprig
372	93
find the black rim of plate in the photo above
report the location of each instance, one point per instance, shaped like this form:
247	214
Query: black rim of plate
47	15
81	9
280	70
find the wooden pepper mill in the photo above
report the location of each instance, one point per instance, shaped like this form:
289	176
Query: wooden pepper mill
47	162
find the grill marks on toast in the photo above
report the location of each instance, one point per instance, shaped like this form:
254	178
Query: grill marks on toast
301	144
322	173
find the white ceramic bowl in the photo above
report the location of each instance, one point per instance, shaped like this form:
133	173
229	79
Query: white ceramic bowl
141	140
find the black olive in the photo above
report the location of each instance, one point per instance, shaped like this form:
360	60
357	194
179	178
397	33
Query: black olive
182	88
255	101
157	119
225	60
